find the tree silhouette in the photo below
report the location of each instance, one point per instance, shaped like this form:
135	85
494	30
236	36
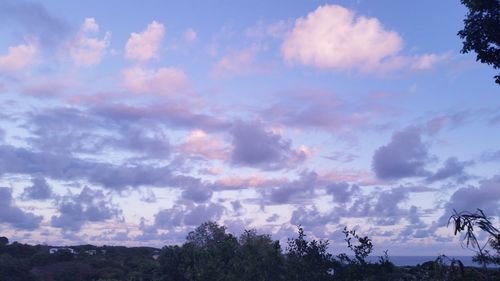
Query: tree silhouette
481	31
465	222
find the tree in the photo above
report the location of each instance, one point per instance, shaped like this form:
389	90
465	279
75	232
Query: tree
4	241
259	258
308	260
465	222
481	32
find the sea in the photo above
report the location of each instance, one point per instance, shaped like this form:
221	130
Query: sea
415	260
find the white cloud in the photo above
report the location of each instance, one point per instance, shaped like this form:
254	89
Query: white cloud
90	25
18	57
144	46
85	48
165	80
336	38
427	61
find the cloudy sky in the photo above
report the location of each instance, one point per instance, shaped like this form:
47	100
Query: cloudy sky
132	123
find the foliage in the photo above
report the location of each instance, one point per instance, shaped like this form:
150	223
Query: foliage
210	253
308	260
481	33
4	241
466	223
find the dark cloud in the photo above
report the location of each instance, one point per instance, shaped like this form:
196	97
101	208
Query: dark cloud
65	130
493	156
15	216
404	156
451	120
64	167
296	191
255	147
197	192
486	196
88	206
312	218
181	215
342	192
150	143
171	115
452	168
39	190
203	213
27	17
382	207
72	130
343	157
316	109
415	228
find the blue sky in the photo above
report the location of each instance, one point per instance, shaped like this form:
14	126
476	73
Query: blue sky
132	123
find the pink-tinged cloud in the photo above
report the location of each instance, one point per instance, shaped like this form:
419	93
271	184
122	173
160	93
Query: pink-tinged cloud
163	81
237	182
144	46
190	35
201	144
86	49
18	57
238	63
334	37
354	176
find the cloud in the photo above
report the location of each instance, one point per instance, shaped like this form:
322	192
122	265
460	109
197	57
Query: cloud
263	30
255	147
85	49
311	218
19	57
82	132
40	190
452	168
167	81
342	192
144	46
190	35
197	192
201	144
453	120
27	17
427	61
491	156
90	205
149	142
382	207
242	182
76	134
404	156
182	215
68	168
486	196
318	109
334	37
296	191
15	216
169	114
238	63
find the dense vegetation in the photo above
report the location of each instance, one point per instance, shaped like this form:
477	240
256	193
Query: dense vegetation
210	253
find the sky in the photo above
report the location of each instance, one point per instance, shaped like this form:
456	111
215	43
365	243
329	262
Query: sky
131	123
